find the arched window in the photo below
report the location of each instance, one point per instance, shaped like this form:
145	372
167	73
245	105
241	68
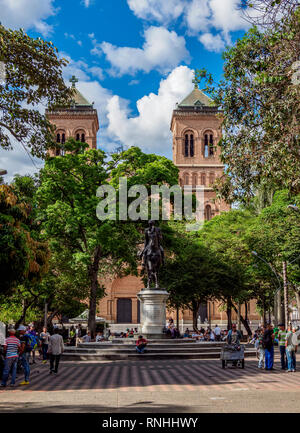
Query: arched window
211	178
80	135
189	147
211	145
207	212
208	145
186	145
186	179
57	138
63	138
203	179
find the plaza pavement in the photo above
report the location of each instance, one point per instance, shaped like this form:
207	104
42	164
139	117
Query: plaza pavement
155	386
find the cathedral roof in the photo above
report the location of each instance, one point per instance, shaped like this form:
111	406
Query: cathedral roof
196	98
80	99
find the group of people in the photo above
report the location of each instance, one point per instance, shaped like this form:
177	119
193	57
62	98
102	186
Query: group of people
20	347
264	339
208	334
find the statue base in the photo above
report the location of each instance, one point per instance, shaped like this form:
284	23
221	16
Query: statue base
153	312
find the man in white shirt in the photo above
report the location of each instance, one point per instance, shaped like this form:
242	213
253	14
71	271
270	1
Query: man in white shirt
55	349
44	336
217	333
87	337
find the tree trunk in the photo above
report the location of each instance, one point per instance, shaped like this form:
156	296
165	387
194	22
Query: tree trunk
24	311
93	275
246	311
177	318
264	312
195	309
244	322
298	300
286	295
228	312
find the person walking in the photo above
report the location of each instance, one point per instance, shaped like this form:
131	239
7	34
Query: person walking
217	333
33	336
78	334
259	347
268	344
12	347
45	342
291	349
281	343
55	349
25	353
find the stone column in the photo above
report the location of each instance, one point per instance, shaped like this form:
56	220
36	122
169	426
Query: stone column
153	312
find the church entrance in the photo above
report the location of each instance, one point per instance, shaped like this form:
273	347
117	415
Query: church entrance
202	312
124	310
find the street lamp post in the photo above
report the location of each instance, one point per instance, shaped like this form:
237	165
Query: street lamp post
277	295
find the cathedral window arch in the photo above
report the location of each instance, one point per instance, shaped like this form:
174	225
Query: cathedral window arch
208	149
60	140
80	135
189	144
208	213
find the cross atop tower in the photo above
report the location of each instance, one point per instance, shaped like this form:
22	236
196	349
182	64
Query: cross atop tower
73	80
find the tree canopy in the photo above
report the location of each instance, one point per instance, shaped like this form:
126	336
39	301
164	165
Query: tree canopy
261	114
32	76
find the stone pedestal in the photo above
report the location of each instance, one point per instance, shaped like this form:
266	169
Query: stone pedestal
153	312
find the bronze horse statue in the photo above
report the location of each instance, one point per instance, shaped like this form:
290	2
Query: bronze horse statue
153	254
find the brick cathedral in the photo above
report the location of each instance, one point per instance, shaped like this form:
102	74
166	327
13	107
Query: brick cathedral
196	129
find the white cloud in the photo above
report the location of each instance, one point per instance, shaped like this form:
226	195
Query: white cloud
74	67
150	129
158	10
97	72
27	14
86	3
17	161
211	42
162	50
199	16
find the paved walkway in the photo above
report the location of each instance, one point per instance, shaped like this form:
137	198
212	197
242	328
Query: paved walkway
155	386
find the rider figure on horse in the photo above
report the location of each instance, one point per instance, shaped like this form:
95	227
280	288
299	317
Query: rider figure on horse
153	253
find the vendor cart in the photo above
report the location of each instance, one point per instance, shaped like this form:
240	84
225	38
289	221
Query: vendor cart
233	354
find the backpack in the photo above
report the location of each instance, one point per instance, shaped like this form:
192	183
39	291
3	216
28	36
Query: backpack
32	343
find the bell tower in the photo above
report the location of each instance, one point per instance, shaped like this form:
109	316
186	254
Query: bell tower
196	130
79	120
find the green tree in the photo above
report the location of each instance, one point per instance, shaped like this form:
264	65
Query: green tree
68	202
23	257
260	103
33	75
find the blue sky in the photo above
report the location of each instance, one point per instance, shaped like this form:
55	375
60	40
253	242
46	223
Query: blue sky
134	59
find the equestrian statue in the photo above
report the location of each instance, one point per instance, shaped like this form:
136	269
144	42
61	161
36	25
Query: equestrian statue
152	254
